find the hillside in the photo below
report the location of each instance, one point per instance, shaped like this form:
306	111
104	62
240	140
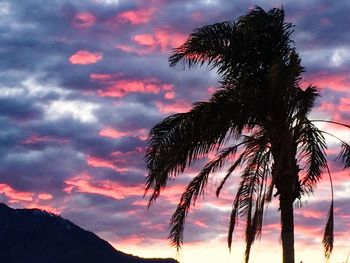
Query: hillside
35	236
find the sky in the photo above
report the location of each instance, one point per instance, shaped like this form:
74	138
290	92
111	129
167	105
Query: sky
82	83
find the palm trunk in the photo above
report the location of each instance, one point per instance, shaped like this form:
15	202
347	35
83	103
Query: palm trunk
287	231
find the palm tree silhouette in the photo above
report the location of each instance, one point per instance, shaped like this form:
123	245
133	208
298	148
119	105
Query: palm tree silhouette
257	120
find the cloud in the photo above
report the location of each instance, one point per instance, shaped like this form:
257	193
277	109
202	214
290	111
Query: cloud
114	133
37	139
45	196
138	16
84	20
15	195
161	39
120	87
82	183
80	110
172	107
85	57
83	82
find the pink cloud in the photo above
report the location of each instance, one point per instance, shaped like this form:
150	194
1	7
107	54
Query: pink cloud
104	163
178	106
340	82
222	201
15	195
130	49
46	208
309	231
45	196
101	77
119	88
344	104
136	17
98	162
336	110
105	78
84	20
85	57
152	226
132	240
144	39
114	133
84	183
312	213
172	194
201	224
142	203
211	90
28	199
162	39
168	39
169	95
34	139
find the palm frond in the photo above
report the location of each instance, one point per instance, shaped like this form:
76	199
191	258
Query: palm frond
229	172
344	155
207	44
177	221
304	101
251	194
328	238
182	138
239	51
194	189
311	146
259	137
268	30
257	202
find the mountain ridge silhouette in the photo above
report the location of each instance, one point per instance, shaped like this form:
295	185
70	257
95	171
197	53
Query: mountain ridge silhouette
37	236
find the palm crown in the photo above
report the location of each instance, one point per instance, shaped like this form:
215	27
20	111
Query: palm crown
257	121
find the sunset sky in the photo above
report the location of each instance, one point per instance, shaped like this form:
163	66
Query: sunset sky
81	84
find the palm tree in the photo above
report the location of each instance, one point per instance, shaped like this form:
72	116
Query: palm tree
257	120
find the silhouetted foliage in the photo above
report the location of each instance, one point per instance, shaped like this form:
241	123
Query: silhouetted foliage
259	111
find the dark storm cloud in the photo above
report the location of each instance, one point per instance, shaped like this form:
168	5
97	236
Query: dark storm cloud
325	24
112	213
11	135
29	170
19	108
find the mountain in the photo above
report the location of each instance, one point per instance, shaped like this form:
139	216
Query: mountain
36	236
